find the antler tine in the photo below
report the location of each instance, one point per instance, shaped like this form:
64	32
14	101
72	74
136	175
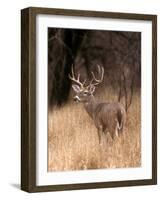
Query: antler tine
73	72
76	80
97	81
84	81
71	77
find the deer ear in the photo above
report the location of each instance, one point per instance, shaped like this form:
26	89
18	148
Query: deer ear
92	89
76	88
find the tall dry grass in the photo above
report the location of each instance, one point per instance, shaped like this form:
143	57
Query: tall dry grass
73	140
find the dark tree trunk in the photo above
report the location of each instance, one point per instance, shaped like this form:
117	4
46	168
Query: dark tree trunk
62	50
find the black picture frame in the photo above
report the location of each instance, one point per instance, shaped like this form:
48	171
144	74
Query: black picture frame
28	98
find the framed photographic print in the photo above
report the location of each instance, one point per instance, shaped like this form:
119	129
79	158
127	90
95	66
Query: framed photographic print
88	99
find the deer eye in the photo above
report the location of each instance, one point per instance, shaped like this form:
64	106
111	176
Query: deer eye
85	93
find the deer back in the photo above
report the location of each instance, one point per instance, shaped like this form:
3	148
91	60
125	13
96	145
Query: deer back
108	115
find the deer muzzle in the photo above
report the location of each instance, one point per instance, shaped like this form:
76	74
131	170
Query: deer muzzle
76	99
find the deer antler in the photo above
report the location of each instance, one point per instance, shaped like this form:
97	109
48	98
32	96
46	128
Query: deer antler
76	80
97	81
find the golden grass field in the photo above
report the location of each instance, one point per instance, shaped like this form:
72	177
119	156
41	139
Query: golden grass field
73	140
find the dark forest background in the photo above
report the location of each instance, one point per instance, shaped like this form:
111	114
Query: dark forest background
118	52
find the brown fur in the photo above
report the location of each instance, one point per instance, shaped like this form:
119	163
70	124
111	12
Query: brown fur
108	117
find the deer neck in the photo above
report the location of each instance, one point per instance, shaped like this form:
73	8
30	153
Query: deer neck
90	106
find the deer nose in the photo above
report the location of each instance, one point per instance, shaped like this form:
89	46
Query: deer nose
76	98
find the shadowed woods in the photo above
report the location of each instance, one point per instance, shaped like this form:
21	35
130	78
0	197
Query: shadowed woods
117	51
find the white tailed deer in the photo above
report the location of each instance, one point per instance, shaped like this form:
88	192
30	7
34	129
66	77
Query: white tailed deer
108	117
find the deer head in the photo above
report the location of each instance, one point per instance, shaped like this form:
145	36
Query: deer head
84	92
